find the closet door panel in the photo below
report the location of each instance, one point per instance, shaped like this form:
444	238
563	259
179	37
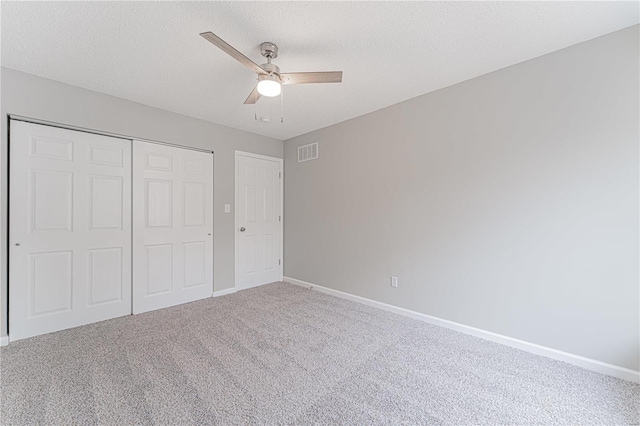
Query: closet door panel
173	226
70	229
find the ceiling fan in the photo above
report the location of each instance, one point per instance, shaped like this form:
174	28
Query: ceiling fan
270	79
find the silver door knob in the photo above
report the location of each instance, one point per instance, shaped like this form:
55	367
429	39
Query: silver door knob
242	229
17	244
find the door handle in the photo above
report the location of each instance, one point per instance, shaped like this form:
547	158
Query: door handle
242	229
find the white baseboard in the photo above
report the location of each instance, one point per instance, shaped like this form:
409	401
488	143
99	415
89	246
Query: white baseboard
580	361
258	285
4	340
236	289
224	292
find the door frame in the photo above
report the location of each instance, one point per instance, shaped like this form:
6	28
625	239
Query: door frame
236	212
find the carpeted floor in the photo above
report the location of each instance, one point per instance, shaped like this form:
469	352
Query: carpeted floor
281	354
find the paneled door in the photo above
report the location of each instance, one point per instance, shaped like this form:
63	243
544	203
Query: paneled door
173	226
258	220
70	229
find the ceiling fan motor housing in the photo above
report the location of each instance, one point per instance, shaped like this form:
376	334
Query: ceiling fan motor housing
269	50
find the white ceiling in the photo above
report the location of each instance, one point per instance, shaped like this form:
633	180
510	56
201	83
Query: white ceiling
150	52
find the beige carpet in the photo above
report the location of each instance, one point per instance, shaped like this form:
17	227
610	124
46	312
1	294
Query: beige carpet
281	354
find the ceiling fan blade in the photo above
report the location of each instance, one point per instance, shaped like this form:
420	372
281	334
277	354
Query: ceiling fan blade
311	77
226	47
253	97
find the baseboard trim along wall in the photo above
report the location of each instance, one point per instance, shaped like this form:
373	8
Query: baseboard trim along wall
224	292
580	361
4	340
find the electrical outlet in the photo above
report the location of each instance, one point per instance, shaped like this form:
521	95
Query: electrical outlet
227	208
394	282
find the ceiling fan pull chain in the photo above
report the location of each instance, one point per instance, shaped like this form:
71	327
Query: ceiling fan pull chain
282	106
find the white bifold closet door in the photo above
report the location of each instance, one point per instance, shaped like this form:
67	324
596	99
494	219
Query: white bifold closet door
70	229
173	226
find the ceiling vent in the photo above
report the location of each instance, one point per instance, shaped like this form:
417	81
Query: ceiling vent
308	152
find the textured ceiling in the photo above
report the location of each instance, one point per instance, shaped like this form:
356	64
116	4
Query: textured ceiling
150	52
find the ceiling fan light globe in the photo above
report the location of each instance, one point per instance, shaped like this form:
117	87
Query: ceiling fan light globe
269	88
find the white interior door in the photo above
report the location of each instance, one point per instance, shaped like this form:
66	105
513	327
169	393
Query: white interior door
70	229
173	226
258	220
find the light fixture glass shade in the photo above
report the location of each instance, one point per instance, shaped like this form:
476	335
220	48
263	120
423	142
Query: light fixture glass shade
269	86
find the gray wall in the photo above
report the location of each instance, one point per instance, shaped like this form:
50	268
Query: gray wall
36	97
508	202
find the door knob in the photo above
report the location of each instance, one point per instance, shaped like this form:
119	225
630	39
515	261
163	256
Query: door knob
17	244
242	229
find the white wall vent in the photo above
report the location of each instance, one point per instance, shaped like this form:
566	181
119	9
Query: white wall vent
308	152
